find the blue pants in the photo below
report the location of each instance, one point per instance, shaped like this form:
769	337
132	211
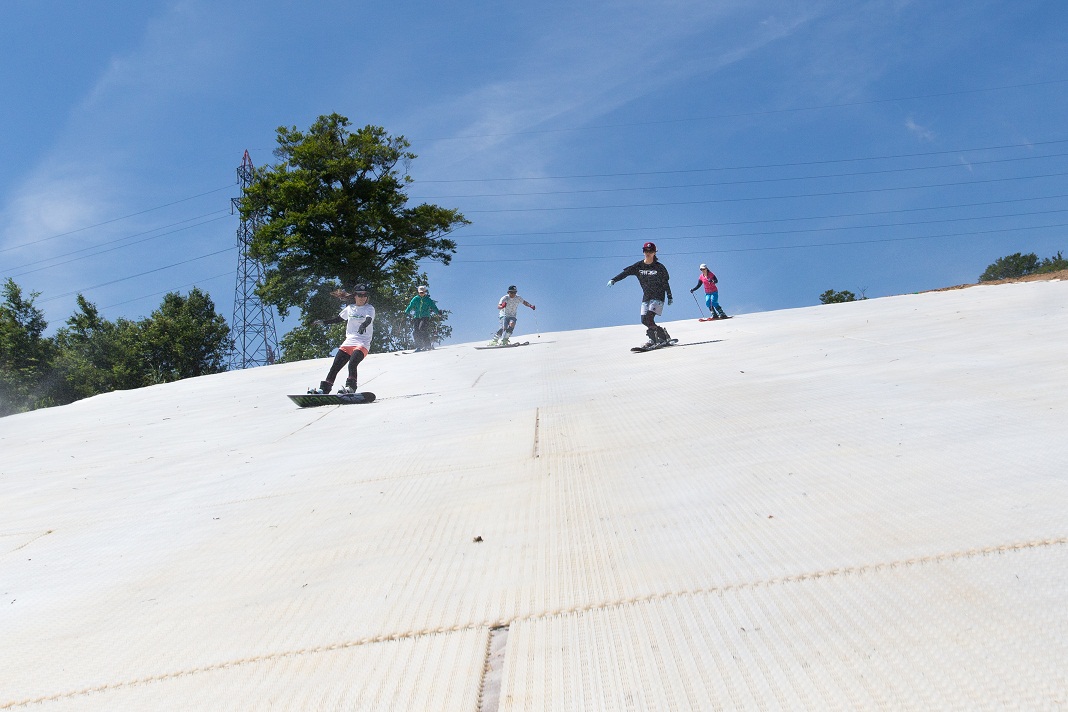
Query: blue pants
712	302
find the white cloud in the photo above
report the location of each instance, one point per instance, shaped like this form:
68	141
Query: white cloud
921	132
577	73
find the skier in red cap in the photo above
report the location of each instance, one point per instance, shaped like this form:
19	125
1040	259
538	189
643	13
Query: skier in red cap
653	277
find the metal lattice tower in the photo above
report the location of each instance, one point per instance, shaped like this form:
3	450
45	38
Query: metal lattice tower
252	328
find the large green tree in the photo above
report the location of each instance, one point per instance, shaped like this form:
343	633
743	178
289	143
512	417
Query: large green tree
334	211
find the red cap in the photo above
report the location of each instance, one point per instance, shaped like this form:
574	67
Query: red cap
648	247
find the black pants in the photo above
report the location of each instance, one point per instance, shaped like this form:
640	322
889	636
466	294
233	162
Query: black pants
421	332
340	360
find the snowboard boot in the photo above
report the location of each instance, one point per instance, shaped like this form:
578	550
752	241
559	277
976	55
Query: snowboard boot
350	387
323	389
662	336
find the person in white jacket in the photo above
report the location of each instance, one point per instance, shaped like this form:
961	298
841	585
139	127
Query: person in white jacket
507	310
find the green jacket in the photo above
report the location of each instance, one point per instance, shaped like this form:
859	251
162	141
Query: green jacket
421	307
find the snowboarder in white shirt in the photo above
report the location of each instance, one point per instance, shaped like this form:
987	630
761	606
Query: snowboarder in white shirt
508	307
358	331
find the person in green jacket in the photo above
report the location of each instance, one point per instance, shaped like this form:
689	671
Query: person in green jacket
420	309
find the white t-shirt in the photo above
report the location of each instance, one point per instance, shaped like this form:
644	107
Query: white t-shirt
509	305
356	316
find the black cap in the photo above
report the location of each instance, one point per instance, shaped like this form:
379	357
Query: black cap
512	288
358	288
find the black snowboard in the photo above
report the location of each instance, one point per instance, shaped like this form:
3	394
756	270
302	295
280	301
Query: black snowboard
654	347
311	400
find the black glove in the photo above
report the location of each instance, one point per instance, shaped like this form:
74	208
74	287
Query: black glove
361	329
669	301
693	290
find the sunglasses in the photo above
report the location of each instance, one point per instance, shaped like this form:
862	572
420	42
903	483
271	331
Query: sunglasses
359	294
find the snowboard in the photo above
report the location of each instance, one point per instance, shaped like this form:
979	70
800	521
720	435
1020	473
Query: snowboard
311	400
505	346
670	342
719	318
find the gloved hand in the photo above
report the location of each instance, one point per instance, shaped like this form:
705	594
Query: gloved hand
533	307
611	282
669	301
361	329
693	290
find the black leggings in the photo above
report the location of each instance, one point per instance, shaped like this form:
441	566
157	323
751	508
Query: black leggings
340	360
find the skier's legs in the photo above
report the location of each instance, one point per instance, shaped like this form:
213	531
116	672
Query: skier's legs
509	326
357	356
709	301
715	305
650	310
420	332
340	360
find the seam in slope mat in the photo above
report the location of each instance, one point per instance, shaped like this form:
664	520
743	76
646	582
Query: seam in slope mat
489	693
604	605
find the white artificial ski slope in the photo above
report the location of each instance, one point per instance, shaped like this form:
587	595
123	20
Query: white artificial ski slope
855	506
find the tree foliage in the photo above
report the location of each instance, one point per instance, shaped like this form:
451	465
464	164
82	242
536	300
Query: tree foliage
24	352
1020	265
833	297
1010	267
185	337
334	211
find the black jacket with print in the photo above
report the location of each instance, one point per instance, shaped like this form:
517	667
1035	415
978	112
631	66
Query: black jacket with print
653	278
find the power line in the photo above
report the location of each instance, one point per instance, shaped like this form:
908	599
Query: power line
984	203
135	276
112	249
776	232
851	174
168	291
769	197
112	220
1029	144
769	248
750	114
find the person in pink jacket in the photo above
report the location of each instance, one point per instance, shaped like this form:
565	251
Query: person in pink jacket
708	279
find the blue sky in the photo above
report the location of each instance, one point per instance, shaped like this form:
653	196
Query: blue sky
881	147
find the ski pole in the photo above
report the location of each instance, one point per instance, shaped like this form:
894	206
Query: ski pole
537	326
697	304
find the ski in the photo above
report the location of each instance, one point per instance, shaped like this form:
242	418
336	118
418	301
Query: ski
504	346
311	400
718	318
654	347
